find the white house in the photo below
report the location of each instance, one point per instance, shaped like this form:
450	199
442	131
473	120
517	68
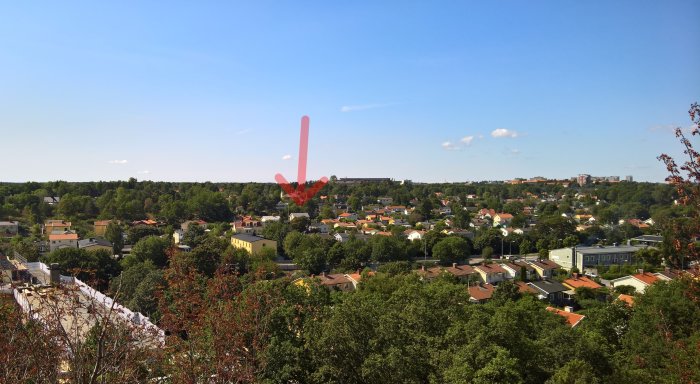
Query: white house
297	215
415	235
639	281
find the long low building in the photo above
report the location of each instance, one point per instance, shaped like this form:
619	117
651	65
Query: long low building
584	257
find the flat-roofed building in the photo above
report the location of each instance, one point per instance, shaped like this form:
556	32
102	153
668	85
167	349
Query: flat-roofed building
253	244
584	257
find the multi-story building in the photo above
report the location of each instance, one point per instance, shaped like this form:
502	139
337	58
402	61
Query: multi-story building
253	244
585	257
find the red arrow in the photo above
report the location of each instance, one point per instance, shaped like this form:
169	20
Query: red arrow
301	195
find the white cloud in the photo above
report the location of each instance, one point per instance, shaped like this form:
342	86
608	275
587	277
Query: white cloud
502	132
449	146
286	157
481	136
466	140
243	132
353	108
146	172
118	161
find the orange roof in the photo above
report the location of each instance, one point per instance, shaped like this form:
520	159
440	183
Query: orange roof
524	288
505	215
490	268
571	318
64	236
629	300
646	278
481	291
581	281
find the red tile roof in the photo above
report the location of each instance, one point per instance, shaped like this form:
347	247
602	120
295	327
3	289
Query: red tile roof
481	291
64	236
581	281
629	300
646	277
523	287
571	318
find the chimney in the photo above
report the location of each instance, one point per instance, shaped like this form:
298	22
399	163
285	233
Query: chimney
422	267
569	309
640	270
55	274
454	265
575	275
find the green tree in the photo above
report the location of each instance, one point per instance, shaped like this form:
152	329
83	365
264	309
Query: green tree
451	250
151	248
115	235
574	372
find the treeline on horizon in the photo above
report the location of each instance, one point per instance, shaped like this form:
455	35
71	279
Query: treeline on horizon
216	202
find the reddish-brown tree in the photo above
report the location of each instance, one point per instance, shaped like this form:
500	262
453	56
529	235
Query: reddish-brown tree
686	178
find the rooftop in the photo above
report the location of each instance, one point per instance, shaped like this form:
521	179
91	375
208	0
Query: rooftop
571	318
247	238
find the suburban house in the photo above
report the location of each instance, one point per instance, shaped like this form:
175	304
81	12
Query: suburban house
337	281
544	268
356	278
428	274
343	237
415	235
8	228
100	227
502	219
51	226
627	299
480	293
347	216
491	273
248	225
52	200
186	225
461	272
253	244
514	270
523	288
95	243
572	319
639	281
319	228
578	281
66	239
298	215
583	257
551	290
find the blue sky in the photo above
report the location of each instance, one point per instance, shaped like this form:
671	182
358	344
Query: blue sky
428	91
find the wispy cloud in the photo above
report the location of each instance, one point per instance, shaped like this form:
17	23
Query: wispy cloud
354	108
286	157
467	140
243	131
118	161
502	132
450	146
145	172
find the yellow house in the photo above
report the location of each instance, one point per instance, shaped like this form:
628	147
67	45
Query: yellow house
101	227
253	244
